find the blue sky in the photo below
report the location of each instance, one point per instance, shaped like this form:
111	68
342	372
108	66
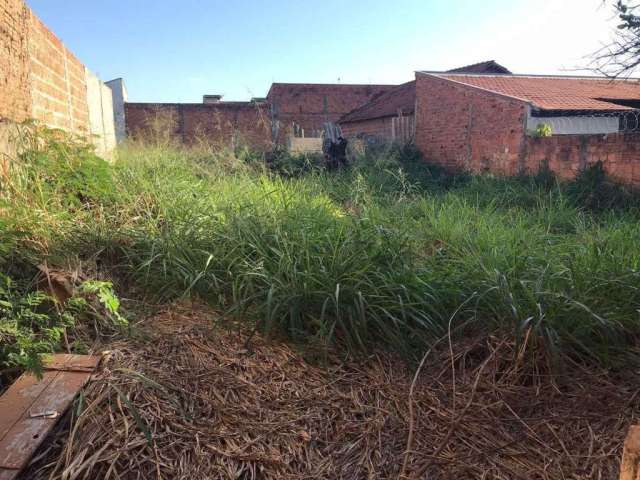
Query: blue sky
178	50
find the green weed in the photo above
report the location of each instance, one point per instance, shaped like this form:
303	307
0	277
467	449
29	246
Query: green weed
380	254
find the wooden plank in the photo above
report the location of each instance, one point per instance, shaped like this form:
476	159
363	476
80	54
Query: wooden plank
31	407
74	363
18	399
24	391
630	465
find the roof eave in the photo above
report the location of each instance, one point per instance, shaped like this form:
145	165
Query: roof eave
462	74
440	75
531	75
557	112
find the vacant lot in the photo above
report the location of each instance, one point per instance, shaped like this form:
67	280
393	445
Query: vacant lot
513	288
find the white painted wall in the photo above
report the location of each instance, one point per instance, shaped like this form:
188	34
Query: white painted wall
108	122
575	125
120	97
101	118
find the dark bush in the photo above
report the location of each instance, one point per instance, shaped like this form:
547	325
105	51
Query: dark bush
67	168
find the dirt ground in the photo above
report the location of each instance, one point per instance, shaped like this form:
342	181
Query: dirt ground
189	399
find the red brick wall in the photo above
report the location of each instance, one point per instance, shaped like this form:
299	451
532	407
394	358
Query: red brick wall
190	123
311	123
377	127
310	106
39	77
568	154
462	127
15	101
58	85
144	120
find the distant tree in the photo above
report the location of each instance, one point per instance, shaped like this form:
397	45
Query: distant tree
621	57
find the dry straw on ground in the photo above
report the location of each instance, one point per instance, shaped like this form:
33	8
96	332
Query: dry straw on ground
190	401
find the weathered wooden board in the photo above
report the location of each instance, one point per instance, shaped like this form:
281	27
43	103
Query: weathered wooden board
30	408
630	465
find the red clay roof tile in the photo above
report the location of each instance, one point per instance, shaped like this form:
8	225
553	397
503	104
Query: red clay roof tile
490	66
401	98
557	93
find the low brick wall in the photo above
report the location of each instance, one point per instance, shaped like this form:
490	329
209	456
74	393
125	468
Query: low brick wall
566	155
227	123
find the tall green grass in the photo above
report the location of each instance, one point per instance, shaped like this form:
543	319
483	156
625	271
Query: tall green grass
382	254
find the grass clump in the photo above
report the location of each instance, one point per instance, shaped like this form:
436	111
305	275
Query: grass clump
391	252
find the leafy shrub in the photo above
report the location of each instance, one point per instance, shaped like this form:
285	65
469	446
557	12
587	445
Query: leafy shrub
63	167
97	301
33	323
542	130
29	326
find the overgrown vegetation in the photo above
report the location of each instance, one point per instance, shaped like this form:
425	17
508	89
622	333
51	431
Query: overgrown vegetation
391	252
56	180
28	329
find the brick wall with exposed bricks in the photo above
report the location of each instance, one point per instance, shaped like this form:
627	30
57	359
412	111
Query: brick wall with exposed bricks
226	123
58	85
462	127
42	79
465	128
308	106
379	128
568	154
15	99
311	105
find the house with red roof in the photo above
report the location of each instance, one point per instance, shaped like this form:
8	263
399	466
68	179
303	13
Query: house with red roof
387	117
512	124
390	115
